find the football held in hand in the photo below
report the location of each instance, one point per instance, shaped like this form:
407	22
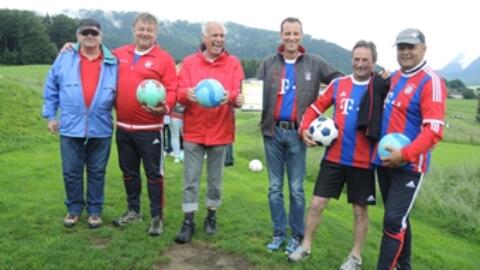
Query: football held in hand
323	131
150	93
209	93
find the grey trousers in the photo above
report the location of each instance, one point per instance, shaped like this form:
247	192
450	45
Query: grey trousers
192	172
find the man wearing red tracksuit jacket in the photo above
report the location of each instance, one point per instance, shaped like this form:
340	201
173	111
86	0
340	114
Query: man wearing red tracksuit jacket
139	128
207	130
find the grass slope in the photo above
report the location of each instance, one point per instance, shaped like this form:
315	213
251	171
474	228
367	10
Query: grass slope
21	123
445	219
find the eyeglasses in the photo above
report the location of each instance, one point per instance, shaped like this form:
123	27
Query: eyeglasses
91	32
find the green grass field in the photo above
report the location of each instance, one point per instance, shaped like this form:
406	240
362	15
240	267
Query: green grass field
445	220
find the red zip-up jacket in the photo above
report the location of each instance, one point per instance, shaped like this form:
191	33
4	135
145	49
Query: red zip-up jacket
209	126
156	64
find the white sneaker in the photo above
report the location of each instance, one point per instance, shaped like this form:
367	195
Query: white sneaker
351	263
298	254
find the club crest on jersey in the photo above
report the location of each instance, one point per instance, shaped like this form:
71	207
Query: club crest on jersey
409	89
148	64
308	76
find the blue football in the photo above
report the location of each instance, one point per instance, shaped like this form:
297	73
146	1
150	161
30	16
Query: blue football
209	93
393	140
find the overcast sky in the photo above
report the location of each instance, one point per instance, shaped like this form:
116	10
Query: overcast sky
450	27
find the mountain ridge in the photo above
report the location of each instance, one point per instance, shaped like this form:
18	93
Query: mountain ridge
470	75
181	38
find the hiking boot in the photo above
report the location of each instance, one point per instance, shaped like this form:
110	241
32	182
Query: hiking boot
128	217
70	220
186	233
276	243
298	254
156	226
292	245
351	263
210	225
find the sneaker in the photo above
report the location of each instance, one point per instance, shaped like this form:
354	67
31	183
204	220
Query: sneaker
128	217
186	233
276	243
94	221
210	225
298	254
292	245
351	263
156	226
70	220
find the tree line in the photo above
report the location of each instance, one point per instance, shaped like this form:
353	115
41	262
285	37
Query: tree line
27	38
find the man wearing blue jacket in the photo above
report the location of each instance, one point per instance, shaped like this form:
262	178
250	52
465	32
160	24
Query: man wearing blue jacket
81	84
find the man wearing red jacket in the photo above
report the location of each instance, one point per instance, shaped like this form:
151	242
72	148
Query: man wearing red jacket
207	130
139	128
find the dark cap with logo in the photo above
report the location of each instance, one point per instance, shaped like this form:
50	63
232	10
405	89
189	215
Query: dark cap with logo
410	36
89	24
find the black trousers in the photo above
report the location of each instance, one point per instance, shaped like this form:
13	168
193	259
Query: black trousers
399	189
167	136
144	147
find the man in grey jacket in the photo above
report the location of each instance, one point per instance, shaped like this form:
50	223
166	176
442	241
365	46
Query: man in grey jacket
291	82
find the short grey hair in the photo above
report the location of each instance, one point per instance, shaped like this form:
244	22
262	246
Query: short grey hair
369	45
145	17
206	24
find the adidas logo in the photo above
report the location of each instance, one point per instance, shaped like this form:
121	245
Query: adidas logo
156	141
410	184
371	198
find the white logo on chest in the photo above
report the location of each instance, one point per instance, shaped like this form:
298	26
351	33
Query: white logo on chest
346	104
148	64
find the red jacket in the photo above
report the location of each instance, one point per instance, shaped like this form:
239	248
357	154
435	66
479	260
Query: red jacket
209	126
156	64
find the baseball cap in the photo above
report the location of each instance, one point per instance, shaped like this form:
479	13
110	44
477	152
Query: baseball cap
410	36
89	24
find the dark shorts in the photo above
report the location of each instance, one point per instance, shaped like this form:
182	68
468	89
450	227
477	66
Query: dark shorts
333	176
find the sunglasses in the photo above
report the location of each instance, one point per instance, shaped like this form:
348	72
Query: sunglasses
91	32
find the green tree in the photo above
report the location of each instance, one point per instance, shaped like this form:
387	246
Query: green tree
456	84
468	93
61	29
250	67
23	39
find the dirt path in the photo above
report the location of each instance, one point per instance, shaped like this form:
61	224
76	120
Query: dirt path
201	257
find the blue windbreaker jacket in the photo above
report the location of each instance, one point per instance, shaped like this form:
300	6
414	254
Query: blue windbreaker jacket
63	92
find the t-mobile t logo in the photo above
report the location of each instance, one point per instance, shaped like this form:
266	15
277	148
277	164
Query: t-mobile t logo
346	104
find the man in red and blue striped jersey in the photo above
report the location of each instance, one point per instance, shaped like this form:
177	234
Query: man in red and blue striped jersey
348	158
414	106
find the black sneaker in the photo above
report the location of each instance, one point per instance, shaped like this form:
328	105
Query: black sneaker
186	233
210	225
